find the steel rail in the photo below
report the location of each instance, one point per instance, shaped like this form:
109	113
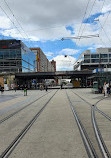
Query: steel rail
88	145
98	135
101	112
9	116
15	142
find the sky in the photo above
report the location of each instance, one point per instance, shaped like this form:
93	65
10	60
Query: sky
43	23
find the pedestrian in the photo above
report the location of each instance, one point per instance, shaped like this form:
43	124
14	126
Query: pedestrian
61	86
25	91
46	88
105	89
2	90
108	89
15	88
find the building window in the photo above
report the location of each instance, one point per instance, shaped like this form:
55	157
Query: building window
6	64
104	60
87	61
1	63
109	50
6	55
1	55
95	60
103	55
94	55
109	55
13	63
86	56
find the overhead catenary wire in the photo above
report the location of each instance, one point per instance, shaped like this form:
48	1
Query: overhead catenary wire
102	5
16	19
11	21
13	15
102	25
104	21
83	17
30	30
102	41
88	16
105	32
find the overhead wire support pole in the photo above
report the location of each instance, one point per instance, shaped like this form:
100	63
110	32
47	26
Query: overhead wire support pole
80	37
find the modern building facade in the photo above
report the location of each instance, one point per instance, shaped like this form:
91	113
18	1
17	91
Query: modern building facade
91	61
43	64
15	57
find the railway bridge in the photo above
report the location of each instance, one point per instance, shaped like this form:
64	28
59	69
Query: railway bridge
81	76
54	75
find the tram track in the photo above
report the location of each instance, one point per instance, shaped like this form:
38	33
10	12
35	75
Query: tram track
16	112
95	105
102	146
21	134
102	113
98	135
88	145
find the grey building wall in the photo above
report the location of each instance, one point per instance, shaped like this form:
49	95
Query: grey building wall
100	59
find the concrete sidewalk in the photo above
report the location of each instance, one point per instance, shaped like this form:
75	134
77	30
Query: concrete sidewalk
11	100
54	134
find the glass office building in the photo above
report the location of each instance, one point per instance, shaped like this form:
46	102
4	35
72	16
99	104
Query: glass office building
15	57
91	61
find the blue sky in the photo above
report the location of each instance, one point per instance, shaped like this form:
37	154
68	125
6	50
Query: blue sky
49	21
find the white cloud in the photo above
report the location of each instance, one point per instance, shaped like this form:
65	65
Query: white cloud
44	15
4	23
103	40
49	54
68	51
64	63
36	14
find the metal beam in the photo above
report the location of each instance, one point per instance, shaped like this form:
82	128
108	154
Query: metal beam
80	37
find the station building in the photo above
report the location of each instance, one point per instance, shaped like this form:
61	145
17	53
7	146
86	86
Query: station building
90	61
15	57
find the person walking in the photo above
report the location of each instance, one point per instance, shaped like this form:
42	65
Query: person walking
105	89
46	88
61	85
15	88
25	91
2	90
108	89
